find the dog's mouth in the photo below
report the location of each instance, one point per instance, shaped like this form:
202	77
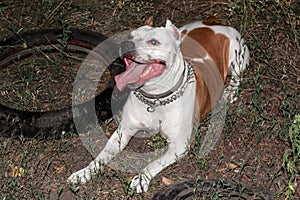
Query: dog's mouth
139	72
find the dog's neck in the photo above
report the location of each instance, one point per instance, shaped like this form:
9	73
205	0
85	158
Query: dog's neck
168	80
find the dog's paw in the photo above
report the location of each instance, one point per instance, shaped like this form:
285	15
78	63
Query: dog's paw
140	183
81	176
84	175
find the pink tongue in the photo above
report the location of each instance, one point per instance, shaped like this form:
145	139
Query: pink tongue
137	73
130	76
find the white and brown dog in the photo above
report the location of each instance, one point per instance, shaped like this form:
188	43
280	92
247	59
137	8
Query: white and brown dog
174	72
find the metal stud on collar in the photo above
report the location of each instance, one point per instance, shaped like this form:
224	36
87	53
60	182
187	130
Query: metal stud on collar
150	109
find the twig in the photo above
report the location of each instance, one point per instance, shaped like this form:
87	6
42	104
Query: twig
53	11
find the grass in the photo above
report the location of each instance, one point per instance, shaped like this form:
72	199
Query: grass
291	157
27	85
259	144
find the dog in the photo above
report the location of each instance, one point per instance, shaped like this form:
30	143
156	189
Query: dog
172	73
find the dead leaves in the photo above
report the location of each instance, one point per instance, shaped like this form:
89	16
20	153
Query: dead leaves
230	166
15	171
212	20
60	169
166	181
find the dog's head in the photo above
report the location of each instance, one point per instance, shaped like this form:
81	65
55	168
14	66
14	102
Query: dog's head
148	52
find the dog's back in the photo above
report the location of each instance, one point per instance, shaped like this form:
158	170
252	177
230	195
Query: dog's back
214	51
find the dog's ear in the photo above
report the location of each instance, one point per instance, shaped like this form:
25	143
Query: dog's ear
173	28
149	21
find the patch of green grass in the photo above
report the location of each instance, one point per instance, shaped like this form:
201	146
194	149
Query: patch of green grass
291	157
156	142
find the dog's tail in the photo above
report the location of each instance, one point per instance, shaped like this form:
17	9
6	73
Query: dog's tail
238	64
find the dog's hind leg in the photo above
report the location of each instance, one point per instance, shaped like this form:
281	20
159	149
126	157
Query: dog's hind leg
238	64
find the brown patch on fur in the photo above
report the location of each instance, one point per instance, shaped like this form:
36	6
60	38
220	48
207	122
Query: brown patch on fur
184	32
203	101
210	74
217	46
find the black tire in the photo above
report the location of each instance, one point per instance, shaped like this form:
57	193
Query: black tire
209	189
20	47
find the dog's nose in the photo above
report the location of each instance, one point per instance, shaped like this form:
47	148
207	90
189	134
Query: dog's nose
127	47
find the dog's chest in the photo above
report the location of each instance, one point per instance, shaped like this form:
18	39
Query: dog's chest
171	112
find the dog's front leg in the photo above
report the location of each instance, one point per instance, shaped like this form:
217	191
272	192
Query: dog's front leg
177	149
115	144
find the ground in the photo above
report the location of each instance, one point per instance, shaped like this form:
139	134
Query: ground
255	143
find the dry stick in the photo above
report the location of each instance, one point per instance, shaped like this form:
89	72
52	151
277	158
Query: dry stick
53	11
61	51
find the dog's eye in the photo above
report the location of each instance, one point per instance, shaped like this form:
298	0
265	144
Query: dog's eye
153	42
